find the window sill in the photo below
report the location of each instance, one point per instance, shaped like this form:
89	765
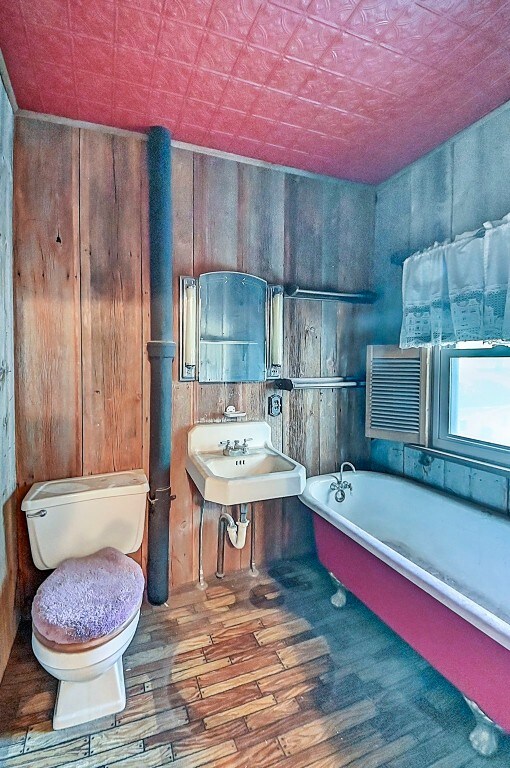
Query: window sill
486	466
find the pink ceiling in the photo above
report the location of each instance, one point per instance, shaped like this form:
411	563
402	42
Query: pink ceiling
351	88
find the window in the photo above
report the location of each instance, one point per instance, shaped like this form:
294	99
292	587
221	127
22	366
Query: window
471	406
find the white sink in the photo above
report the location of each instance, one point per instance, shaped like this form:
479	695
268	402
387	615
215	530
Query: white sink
262	473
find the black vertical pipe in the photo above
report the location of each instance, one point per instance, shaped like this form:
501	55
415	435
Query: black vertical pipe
161	350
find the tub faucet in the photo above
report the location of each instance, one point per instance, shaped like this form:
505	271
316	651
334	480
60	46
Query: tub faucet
340	486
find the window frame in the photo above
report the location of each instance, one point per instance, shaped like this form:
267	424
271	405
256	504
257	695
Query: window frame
442	439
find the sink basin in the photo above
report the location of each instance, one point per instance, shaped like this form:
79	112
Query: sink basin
259	462
262	473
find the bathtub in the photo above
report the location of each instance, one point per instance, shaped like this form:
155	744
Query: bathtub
434	568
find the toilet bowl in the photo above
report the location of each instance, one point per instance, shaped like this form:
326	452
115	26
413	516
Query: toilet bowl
86	612
91	681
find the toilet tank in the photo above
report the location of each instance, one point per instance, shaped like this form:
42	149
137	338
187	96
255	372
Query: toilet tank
81	515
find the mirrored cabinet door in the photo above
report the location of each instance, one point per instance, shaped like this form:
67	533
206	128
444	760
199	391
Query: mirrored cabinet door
232	327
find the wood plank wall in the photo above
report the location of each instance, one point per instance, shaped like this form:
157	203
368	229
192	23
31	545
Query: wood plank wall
79	308
82	312
454	189
8	556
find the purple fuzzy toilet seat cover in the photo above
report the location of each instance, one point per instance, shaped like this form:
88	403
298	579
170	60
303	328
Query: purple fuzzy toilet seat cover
86	598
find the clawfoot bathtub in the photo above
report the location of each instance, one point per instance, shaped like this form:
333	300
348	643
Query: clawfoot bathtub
436	570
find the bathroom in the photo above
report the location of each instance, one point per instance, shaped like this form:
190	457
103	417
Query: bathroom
289	169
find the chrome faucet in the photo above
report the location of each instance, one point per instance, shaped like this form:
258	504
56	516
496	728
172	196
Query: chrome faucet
244	447
340	486
237	449
229	449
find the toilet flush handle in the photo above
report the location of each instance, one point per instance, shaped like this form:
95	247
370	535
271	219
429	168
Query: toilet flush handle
39	513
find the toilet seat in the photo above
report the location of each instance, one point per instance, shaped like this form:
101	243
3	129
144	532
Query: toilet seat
61	663
87	645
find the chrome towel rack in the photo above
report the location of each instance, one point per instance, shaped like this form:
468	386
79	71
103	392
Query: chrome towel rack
352	297
331	382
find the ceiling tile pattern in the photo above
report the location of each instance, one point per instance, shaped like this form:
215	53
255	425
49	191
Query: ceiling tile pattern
350	88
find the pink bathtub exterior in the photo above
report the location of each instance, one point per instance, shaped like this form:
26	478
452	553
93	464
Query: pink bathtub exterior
474	663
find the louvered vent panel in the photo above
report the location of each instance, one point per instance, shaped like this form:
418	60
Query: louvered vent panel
396	394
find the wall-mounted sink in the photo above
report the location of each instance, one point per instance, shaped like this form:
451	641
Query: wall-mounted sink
261	473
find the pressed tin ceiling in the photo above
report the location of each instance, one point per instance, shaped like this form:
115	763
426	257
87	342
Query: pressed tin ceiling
350	88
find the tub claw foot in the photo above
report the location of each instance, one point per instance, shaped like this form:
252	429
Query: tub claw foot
339	599
484	737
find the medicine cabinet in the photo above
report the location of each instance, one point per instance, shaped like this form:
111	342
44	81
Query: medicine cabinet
231	328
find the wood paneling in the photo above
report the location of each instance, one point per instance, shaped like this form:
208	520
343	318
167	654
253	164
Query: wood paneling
289	682
449	191
110	205
431	189
215	222
47	293
79	308
8	555
481	168
328	241
261	252
47	312
392	235
302	356
227	215
146	336
9	612
183	548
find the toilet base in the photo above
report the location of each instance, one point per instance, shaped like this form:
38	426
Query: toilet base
79	703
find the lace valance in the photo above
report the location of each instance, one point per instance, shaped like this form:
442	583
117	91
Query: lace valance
459	291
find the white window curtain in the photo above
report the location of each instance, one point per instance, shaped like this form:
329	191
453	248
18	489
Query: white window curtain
459	291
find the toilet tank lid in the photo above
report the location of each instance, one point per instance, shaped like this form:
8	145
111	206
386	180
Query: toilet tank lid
74	489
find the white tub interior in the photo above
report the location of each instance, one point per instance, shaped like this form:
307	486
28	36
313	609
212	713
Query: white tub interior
458	552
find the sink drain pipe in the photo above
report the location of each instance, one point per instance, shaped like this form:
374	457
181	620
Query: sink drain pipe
236	533
161	351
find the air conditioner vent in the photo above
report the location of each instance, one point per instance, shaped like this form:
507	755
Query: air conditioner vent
397	394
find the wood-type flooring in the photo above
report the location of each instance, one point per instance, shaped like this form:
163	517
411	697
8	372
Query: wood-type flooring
252	673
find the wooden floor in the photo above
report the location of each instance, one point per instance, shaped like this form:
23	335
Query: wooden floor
253	672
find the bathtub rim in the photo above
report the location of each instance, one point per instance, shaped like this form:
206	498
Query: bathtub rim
482	618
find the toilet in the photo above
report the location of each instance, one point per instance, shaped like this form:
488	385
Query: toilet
86	612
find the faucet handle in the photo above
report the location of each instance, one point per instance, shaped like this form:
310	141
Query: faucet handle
247	440
225	442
